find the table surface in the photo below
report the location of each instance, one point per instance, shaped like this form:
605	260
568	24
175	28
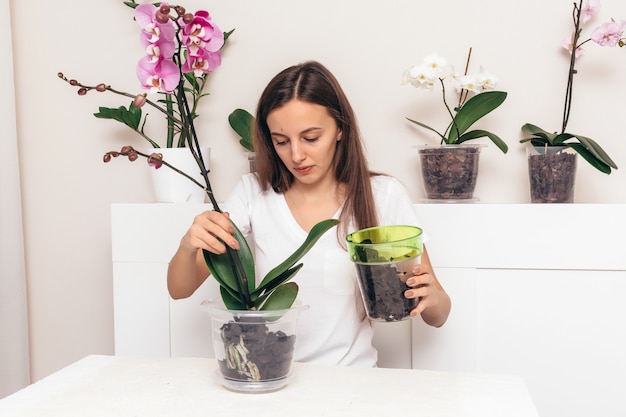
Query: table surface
111	386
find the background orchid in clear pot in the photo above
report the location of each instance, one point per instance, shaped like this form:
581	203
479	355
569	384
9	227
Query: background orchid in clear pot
552	155
476	98
449	171
608	34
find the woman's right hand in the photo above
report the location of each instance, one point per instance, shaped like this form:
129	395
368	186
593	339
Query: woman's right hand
210	230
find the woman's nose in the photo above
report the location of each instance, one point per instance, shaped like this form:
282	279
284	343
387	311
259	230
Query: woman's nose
297	153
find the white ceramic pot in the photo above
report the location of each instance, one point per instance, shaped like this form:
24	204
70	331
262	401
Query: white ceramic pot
171	187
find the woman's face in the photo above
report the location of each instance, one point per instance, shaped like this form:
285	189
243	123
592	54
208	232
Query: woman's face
305	137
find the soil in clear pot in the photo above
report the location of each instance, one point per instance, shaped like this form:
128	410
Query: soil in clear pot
552	174
253	352
449	172
254	348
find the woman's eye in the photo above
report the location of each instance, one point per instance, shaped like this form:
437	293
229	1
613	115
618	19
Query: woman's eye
311	139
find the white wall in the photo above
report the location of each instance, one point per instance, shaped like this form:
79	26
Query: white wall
67	190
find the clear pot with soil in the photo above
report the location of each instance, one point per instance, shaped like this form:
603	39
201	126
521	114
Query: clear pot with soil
449	172
384	257
254	349
552	172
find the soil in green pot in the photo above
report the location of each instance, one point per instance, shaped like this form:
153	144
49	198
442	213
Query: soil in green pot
383	290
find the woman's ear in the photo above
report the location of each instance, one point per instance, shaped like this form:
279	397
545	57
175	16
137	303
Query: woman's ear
339	136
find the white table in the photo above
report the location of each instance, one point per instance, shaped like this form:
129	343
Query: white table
115	386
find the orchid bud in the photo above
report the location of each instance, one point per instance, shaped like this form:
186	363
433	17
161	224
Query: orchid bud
180	10
139	101
161	17
106	158
126	150
132	156
73	82
155	160
187	18
60	75
165	9
82	91
101	87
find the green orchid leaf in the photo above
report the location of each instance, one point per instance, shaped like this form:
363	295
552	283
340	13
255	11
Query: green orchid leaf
231	302
475	134
282	297
541	137
263	290
242	122
561	138
316	232
222	270
590	157
594	148
443	138
473	110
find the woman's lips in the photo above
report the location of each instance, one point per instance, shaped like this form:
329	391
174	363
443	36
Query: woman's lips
303	170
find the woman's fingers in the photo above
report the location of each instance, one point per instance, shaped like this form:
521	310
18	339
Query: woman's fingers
210	230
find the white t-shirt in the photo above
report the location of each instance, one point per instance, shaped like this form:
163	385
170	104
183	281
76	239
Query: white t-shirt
334	329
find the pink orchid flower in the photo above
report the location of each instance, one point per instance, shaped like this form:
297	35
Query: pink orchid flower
145	15
158	76
202	32
609	33
567	43
589	10
206	62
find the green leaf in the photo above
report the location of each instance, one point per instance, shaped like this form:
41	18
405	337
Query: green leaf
316	232
263	290
221	267
131	117
594	148
475	134
231	301
443	138
282	298
542	135
227	34
474	109
242	122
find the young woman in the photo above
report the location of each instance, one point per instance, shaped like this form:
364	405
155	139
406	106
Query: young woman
311	166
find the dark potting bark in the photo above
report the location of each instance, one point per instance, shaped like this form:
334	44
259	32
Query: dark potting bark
254	353
450	172
552	177
383	284
383	292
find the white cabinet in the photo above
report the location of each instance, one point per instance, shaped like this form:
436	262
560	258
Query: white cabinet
536	290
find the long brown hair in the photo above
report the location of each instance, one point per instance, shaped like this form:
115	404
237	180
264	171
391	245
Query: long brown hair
312	82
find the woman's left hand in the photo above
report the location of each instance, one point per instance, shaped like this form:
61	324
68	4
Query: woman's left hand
434	302
422	287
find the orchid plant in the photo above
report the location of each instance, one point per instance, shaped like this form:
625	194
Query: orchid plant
611	34
476	98
181	49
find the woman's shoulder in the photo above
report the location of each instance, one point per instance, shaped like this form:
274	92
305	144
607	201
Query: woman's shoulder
385	184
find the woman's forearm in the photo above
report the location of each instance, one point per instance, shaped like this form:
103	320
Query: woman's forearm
184	275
